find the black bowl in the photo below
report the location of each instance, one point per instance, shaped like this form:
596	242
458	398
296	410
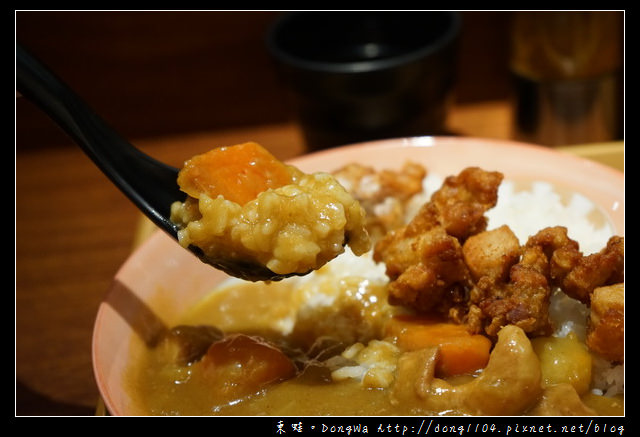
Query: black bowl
359	76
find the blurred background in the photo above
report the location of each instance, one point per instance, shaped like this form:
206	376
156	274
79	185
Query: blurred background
159	78
162	73
156	73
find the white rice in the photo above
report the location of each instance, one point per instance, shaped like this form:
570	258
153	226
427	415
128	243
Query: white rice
528	211
608	380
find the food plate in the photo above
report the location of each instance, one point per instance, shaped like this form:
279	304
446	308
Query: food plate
161	280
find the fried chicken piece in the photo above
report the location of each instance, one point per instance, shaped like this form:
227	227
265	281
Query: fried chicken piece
383	194
596	270
549	259
605	333
424	259
596	280
511	283
444	261
562	252
460	204
578	275
492	253
523	300
427	271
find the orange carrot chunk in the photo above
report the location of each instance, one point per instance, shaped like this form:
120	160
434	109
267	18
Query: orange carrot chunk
238	173
460	352
240	364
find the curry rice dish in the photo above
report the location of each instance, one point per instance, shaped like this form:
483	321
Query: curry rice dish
461	305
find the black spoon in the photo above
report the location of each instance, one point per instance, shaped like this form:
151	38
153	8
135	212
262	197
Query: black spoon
151	185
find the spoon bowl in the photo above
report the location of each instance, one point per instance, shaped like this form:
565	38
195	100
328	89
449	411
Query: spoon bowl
150	184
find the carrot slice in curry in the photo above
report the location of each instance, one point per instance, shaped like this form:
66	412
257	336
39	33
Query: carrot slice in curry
460	352
238	173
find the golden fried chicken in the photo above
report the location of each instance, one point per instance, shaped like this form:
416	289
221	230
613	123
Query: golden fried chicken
492	253
549	259
605	333
599	269
562	252
523	300
578	275
462	201
424	259
444	261
427	271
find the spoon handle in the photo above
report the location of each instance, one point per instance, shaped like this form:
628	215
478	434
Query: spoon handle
151	185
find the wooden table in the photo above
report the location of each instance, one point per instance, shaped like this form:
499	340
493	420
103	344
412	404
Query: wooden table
74	229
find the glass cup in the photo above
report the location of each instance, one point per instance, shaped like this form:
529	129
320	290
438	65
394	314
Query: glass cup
359	76
566	69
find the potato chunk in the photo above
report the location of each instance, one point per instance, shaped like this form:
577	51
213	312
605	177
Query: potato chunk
564	360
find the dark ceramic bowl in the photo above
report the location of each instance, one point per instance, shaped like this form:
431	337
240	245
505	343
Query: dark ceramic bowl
359	76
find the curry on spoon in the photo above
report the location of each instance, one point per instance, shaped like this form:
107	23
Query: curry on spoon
236	208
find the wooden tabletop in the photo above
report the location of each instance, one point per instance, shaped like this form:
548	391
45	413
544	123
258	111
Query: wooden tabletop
74	229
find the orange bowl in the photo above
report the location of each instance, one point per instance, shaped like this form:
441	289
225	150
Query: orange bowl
161	280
